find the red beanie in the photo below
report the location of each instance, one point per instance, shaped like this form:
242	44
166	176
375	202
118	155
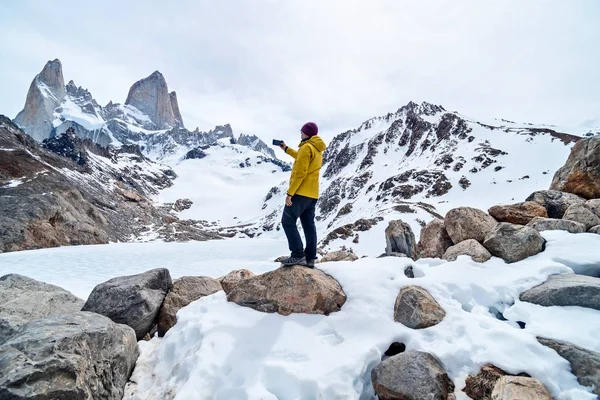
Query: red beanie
310	129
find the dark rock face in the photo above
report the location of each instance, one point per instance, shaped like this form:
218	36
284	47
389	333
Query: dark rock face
133	300
23	299
581	173
566	290
556	202
514	243
68	356
196	153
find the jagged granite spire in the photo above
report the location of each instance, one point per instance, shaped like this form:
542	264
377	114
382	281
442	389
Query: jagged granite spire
151	96
46	93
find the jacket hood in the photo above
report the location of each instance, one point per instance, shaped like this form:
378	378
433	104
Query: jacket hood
317	142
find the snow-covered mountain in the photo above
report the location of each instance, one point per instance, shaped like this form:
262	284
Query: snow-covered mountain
416	164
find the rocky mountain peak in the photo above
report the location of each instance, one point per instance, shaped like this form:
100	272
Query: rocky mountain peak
151	96
52	77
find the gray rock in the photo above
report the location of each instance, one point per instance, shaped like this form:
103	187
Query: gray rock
470	247
519	388
434	240
339	255
595	229
514	243
185	290
410	375
68	356
400	238
23	299
464	223
585	364
580	213
417	309
566	290
132	300
581	173
556	202
549	224
594	205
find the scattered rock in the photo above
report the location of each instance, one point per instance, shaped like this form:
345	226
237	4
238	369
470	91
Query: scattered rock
481	385
585	364
434	240
409	272
549	224
184	291
556	202
133	300
340	255
566	290
580	213
182	204
519	388
23	299
464	223
470	247
400	238
581	173
417	309
68	356
595	229
519	213
232	279
131	195
514	243
290	290
410	375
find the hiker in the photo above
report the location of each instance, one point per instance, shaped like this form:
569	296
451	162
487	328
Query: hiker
302	196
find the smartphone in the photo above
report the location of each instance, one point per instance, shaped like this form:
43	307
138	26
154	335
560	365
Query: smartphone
277	142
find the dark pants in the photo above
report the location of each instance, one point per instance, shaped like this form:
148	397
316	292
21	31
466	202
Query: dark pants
303	208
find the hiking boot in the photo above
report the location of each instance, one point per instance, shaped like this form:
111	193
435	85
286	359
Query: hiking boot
310	263
291	261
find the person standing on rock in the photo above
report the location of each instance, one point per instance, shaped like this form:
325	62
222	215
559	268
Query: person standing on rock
302	196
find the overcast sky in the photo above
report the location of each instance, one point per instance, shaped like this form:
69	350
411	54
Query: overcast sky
268	66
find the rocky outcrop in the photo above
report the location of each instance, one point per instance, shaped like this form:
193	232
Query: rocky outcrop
434	240
175	108
417	309
195	154
290	290
580	213
68	356
514	243
254	142
585	364
133	300
566	290
411	375
151	96
23	299
556	202
519	213
470	247
46	93
400	238
581	173
232	279
550	224
521	388
464	223
339	255
185	290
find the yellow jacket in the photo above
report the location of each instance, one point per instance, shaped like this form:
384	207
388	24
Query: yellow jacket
305	172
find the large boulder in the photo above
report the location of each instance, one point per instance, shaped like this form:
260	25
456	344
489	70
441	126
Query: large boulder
232	279
556	202
519	388
417	309
566	290
410	375
290	290
68	356
580	213
551	224
585	364
434	240
339	255
581	173
514	243
133	300
519	213
470	247
23	299
400	238
464	223
184	291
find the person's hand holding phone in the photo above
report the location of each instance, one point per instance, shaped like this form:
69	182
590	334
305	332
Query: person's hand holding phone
282	145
